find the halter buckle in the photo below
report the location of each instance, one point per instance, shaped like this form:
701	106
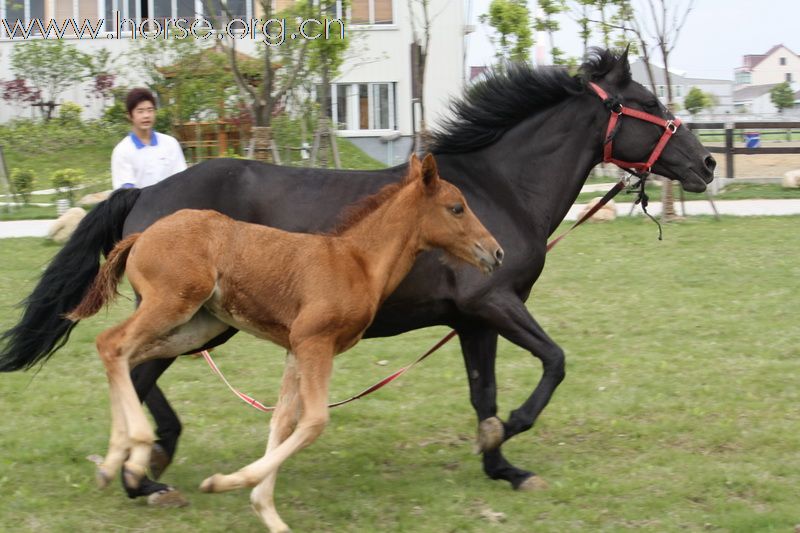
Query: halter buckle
671	126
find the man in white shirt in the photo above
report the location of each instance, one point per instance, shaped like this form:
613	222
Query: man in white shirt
144	157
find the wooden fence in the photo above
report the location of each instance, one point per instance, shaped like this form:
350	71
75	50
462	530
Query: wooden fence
745	127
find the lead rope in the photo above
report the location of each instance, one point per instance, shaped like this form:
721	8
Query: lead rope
619	186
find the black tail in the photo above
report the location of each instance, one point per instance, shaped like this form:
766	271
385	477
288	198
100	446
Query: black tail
43	329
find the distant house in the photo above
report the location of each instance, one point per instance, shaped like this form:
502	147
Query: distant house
757	76
372	101
754	99
779	64
722	90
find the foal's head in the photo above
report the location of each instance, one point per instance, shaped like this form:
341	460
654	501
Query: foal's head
446	220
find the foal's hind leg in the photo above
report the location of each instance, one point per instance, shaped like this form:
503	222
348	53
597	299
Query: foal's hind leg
141	333
281	426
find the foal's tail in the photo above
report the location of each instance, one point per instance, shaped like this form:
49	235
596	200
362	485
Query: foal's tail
104	287
43	328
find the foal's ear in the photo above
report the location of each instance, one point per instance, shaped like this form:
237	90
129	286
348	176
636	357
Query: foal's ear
414	169
430	174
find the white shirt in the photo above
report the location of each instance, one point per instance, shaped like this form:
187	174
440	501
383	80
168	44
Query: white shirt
135	164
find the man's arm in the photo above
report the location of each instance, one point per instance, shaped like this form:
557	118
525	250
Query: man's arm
179	161
122	176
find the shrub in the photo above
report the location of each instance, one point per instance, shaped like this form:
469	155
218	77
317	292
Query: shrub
64	181
69	113
22	180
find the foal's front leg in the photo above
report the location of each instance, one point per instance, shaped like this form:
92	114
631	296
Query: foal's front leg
283	422
314	365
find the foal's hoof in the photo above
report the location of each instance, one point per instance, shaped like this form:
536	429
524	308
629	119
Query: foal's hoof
532	484
131	477
490	435
167	498
102	478
210	484
159	461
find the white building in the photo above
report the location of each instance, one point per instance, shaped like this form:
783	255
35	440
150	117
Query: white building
371	99
779	64
722	90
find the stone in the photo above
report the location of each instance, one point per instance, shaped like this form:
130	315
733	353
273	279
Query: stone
94	198
606	213
791	180
62	229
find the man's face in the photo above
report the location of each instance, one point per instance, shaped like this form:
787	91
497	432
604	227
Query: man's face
143	116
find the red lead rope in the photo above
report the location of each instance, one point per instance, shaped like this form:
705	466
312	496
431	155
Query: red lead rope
391	377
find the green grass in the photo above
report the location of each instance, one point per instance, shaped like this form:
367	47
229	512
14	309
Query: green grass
679	411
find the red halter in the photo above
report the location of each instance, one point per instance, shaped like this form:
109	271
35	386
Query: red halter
617	109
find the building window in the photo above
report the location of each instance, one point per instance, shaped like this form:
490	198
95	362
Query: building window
137	10
679	91
661	92
361	106
371	12
21	12
783	61
742	78
789	77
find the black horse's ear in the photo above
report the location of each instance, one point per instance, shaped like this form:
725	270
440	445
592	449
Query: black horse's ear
620	73
430	173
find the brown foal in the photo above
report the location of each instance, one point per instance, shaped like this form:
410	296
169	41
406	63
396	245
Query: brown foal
199	272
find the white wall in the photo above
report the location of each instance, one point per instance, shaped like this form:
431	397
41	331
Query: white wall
770	70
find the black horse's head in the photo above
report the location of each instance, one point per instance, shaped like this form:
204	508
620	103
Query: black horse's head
683	157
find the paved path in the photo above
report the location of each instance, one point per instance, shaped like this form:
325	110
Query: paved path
38	228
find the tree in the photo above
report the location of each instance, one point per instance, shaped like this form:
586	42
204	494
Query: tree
696	100
50	66
548	23
511	20
782	96
421	35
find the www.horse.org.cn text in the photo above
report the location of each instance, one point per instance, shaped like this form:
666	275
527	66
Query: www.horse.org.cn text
273	32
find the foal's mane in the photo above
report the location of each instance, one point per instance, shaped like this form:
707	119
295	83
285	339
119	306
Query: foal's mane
510	94
358	211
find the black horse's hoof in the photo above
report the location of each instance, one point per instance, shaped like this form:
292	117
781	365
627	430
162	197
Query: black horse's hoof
490	435
533	483
159	461
167	498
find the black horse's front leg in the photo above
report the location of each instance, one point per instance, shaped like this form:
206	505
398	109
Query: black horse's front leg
479	347
515	323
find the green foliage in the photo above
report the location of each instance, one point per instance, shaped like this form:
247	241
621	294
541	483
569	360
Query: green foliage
64	181
696	100
22	181
782	96
548	23
511	20
51	66
69	113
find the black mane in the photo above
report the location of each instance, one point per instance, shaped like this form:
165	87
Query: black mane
511	94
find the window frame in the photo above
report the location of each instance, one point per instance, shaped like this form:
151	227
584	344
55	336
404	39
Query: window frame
371	25
353	110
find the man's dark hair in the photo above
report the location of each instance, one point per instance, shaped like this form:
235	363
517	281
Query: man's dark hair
137	96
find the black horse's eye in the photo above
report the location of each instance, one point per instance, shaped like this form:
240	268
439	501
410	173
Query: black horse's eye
457	209
652	105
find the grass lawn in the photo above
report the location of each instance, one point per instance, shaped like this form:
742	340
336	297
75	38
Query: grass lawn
679	411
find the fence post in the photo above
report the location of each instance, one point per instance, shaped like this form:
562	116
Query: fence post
729	151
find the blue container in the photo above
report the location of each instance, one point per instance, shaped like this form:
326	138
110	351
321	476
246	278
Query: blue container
752	139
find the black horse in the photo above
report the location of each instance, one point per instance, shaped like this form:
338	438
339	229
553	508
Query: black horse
520	147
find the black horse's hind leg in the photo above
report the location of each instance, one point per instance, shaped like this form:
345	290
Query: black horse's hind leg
479	347
168	425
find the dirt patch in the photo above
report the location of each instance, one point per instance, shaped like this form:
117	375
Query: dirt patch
759	165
